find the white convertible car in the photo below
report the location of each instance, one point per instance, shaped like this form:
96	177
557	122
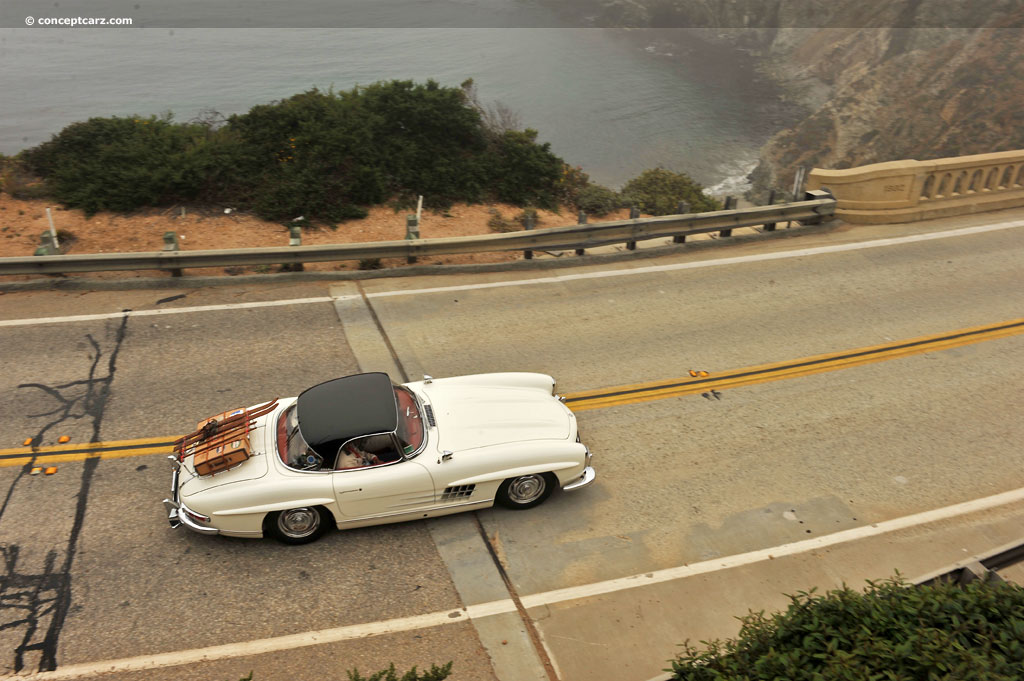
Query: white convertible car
361	450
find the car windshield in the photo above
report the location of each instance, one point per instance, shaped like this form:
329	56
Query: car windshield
293	449
410	425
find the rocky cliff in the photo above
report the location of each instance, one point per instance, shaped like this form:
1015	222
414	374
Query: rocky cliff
879	80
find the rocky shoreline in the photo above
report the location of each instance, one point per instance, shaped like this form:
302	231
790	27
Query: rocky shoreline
866	83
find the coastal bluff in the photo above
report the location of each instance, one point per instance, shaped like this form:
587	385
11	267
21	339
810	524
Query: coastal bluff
878	81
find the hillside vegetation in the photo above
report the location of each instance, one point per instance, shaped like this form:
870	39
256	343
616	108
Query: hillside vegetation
324	156
891	632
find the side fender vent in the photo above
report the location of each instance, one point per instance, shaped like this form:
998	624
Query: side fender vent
430	415
457	492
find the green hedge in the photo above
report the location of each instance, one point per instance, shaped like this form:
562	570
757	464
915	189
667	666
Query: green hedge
323	155
658	192
121	163
891	632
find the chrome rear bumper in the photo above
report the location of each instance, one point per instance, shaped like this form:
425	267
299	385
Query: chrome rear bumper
174	515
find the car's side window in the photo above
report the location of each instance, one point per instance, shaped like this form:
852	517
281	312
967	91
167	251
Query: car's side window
372	450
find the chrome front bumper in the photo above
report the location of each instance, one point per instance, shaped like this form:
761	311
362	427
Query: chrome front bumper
174	515
589	474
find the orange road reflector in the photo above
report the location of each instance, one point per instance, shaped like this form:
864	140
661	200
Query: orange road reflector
35	470
63	438
703	373
692	372
51	470
27	442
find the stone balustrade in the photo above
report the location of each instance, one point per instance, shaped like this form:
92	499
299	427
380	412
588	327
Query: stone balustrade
905	191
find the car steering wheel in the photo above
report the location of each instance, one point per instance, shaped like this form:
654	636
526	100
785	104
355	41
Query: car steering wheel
312	461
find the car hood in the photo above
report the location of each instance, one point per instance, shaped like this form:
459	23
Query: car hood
469	417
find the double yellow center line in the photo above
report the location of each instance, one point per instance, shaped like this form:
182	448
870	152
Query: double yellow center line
604	397
659	390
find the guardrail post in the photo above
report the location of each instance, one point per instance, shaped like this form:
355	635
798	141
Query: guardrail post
730	204
46	246
798	181
294	239
171	245
634	213
682	208
815	195
581	220
412	231
528	225
770	226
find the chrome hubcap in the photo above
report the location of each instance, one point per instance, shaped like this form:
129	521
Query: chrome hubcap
299	522
527	488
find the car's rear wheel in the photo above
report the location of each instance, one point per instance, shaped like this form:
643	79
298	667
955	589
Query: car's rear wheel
297	525
526	491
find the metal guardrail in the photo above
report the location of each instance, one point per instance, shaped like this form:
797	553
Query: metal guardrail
984	567
819	205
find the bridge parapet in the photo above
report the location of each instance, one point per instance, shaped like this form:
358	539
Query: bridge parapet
905	191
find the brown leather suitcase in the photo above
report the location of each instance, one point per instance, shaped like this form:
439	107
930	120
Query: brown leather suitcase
217	457
221	442
222	417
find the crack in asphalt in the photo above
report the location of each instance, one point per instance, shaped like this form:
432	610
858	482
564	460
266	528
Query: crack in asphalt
27	600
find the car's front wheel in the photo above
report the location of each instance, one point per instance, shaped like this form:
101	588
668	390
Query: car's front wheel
297	525
526	491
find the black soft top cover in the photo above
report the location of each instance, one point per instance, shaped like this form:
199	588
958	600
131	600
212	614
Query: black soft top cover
335	411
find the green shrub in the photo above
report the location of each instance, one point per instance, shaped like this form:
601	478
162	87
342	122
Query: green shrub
499	223
16	181
659	191
325	155
434	674
891	632
571	182
521	171
121	164
527	214
598	200
370	264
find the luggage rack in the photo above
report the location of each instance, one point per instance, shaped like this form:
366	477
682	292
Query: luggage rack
221	442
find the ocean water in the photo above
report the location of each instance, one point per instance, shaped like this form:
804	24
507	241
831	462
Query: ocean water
614	102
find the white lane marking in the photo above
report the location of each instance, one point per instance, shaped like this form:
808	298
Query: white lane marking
165	311
698	264
492	608
803	546
245	648
878	243
434	619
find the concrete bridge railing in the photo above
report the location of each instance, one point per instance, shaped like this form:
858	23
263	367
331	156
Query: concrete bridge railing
905	191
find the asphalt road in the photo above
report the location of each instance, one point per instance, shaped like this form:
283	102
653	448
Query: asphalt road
93	573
